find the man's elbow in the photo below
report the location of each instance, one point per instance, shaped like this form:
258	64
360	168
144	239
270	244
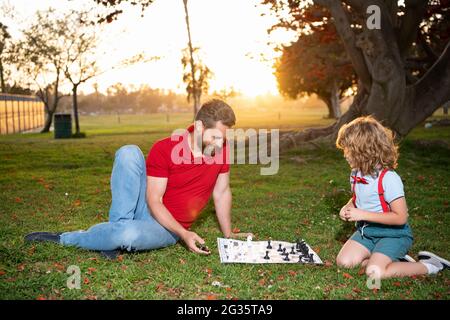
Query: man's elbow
152	203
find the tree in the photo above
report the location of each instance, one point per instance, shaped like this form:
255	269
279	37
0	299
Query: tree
80	56
40	57
389	86
328	73
4	54
196	77
196	69
194	89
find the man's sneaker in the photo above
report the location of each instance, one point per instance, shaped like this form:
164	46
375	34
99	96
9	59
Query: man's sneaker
407	258
425	256
43	236
110	254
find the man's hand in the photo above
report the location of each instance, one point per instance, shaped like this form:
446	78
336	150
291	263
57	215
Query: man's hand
353	214
191	239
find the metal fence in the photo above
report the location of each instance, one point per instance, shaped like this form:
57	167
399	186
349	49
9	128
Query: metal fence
20	113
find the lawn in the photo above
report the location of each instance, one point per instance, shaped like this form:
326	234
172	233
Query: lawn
62	185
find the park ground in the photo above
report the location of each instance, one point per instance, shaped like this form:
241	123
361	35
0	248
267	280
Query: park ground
62	185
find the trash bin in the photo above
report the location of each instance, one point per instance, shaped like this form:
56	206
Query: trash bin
62	123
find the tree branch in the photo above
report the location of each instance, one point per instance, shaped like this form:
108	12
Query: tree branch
432	90
348	38
414	13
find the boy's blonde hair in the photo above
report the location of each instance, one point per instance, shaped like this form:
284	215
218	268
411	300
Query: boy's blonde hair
367	145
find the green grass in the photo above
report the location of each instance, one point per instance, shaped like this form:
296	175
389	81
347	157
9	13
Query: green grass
302	200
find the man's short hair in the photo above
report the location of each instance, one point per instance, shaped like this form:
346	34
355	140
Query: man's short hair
216	110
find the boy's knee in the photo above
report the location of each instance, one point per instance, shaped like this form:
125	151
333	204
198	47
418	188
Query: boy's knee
346	262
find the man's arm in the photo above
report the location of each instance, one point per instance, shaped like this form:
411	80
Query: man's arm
222	203
164	217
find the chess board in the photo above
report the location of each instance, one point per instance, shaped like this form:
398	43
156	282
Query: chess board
238	251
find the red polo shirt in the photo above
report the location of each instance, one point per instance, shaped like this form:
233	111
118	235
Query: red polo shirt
190	181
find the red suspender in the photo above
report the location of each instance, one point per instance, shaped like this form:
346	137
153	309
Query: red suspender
384	204
353	192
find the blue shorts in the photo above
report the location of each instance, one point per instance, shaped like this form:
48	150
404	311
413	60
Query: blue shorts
394	248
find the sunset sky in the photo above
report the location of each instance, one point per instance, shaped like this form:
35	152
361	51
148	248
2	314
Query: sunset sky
232	36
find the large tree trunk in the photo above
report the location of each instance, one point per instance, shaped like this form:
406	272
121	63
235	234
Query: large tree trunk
382	88
332	114
335	104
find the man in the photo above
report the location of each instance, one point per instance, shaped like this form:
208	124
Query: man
154	202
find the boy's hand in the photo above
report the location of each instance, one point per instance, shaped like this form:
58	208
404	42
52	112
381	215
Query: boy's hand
342	213
353	214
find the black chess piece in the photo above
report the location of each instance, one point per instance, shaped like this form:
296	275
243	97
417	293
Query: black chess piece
279	248
284	251
268	245
286	258
292	250
267	255
311	258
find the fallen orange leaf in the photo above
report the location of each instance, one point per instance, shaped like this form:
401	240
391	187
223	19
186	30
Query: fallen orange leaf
292	273
347	276
59	266
90	270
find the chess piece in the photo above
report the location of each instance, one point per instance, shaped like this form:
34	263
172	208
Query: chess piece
292	250
279	248
286	258
284	251
311	258
267	255
268	245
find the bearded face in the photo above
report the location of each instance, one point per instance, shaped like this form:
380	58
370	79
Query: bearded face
212	139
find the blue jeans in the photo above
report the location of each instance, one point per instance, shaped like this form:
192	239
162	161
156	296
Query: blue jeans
131	225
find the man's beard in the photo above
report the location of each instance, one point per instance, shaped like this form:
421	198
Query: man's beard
208	149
